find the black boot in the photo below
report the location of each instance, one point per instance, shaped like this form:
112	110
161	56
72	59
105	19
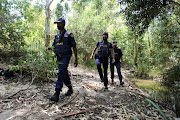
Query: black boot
55	97
70	91
112	81
121	82
105	88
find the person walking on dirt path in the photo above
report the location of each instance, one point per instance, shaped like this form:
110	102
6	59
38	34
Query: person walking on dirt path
62	45
117	63
104	50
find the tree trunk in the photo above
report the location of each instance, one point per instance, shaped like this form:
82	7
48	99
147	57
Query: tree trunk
47	24
135	48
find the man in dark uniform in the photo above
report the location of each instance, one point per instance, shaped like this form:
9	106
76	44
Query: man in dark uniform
104	50
63	42
117	63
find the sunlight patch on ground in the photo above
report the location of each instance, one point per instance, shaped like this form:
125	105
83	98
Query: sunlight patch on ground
148	84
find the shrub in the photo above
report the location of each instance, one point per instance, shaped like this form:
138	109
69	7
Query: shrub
171	79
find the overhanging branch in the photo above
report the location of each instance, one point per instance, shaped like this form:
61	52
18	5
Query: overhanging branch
176	3
50	3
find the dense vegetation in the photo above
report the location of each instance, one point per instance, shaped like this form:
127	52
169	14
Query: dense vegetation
147	31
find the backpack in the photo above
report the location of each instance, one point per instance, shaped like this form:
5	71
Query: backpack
103	50
117	53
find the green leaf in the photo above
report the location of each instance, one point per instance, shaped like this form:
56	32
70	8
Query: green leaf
125	112
135	117
157	108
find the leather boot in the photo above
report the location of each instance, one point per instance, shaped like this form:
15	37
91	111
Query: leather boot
112	81
70	91
55	97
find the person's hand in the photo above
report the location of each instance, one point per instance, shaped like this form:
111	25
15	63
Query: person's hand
113	60
75	63
47	48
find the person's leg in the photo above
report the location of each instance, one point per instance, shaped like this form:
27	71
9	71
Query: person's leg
61	76
112	70
67	82
118	67
105	66
62	73
98	63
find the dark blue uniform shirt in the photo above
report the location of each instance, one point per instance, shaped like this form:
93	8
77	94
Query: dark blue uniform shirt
117	53
63	43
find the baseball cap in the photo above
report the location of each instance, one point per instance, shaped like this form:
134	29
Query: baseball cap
60	20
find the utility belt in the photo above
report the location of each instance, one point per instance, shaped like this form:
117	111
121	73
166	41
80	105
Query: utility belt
62	54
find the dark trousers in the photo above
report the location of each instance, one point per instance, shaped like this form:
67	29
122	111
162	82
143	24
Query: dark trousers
63	76
118	67
104	62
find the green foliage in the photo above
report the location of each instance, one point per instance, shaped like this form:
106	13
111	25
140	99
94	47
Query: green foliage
142	71
17	26
11	35
90	19
14	68
40	63
59	10
171	79
141	12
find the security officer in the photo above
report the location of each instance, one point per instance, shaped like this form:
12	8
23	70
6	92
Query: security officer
63	42
117	63
104	49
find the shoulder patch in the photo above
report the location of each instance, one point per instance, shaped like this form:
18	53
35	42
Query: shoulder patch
71	35
68	33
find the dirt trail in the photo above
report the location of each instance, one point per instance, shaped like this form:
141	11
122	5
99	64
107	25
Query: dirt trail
89	100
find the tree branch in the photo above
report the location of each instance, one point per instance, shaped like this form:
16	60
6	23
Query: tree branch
176	3
50	3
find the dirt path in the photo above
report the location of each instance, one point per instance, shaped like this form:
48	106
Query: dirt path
89	100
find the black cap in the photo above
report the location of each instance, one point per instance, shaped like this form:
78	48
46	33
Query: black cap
114	42
60	20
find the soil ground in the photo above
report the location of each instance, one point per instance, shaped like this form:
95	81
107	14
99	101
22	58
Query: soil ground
89	100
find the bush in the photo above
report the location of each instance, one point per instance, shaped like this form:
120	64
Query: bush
142	71
171	79
39	63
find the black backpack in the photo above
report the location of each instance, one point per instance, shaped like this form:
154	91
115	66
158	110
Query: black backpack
117	53
103	50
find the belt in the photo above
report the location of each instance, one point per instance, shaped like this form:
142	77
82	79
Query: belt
61	54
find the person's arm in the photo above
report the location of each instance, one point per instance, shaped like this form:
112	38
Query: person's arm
121	60
75	55
113	56
93	52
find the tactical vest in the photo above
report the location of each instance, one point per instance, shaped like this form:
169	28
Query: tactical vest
117	53
62	46
103	49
